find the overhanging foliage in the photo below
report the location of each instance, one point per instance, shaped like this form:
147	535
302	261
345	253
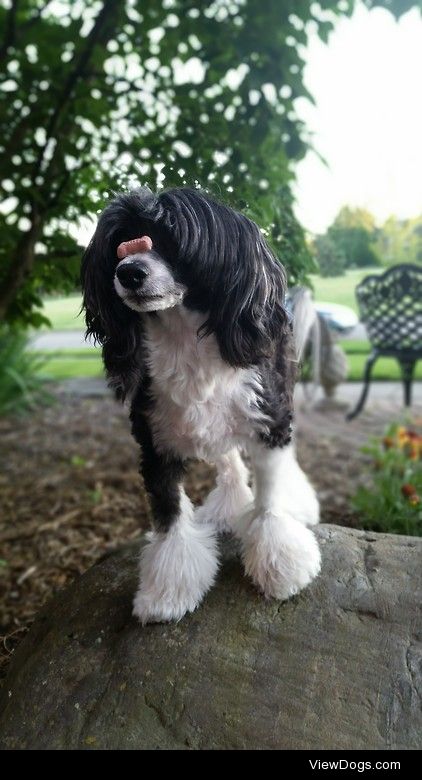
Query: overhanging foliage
96	95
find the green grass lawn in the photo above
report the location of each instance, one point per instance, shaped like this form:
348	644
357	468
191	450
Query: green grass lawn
386	369
63	313
71	363
340	289
354	347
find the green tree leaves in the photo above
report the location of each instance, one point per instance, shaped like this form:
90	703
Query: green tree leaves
354	241
353	233
329	256
98	96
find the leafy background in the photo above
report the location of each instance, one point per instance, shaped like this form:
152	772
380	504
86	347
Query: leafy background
97	95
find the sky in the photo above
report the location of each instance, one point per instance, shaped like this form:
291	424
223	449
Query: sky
367	122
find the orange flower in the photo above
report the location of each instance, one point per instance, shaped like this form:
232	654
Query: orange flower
409	442
408	490
411	451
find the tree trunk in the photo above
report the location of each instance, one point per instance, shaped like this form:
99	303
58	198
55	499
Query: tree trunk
21	265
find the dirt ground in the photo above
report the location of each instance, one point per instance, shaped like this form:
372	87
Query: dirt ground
70	492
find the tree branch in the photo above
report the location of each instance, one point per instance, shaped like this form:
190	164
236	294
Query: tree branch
17	134
63	184
21	263
10	30
67	93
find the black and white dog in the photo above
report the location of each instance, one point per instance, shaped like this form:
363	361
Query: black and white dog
187	301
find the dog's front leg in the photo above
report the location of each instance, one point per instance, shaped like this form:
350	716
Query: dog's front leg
279	552
231	495
179	562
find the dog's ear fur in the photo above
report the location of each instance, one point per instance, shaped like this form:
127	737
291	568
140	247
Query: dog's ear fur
112	324
231	273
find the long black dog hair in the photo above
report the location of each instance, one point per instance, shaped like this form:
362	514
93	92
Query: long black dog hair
219	254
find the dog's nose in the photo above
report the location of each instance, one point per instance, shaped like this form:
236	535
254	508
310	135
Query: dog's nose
132	275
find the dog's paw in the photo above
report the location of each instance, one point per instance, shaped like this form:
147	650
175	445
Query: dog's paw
280	555
148	609
177	568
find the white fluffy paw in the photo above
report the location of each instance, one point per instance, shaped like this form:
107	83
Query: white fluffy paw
279	553
176	570
222	506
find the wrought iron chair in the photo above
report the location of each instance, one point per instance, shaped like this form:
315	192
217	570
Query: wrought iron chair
390	306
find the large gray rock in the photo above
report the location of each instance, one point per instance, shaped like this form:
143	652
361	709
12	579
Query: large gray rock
339	666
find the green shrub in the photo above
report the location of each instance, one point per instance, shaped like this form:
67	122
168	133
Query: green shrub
21	388
393	502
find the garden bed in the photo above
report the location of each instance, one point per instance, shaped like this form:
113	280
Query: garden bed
70	492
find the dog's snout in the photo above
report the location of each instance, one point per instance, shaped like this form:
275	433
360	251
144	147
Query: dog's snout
132	275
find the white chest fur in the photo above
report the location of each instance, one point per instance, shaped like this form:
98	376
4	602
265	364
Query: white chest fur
202	406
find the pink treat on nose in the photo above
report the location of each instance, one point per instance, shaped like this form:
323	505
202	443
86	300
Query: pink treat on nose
143	244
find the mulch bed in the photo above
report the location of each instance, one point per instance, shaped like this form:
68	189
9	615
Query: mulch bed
70	493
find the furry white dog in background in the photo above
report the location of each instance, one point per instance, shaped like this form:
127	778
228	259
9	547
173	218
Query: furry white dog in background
187	301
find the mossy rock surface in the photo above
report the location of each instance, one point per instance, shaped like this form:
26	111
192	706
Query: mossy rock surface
337	667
